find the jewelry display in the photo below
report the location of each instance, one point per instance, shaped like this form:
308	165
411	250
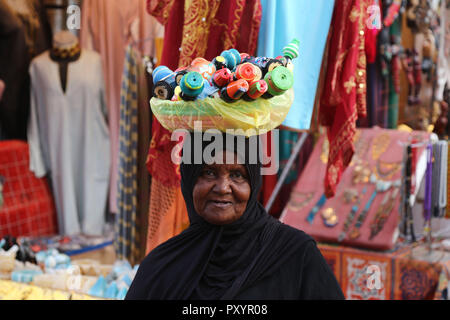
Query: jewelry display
313	212
329	217
443	178
350	196
428	183
351	216
408	219
325	150
383	213
380	144
358	143
447	213
436	158
385	170
380	186
361	173
299	200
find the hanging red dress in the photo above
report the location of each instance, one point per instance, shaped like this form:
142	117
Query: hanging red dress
343	98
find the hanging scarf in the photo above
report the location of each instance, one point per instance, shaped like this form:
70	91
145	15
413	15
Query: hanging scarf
210	261
127	206
343	97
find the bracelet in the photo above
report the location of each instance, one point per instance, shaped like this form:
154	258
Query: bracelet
350	218
383	213
313	212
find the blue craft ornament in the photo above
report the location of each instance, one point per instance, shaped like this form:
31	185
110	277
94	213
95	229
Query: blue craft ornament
112	291
24	276
230	58
125	279
99	288
122	294
161	73
191	85
236	54
208	90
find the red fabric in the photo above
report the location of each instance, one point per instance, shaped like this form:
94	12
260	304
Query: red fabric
28	208
343	98
392	13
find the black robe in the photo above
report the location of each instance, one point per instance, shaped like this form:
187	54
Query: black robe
254	258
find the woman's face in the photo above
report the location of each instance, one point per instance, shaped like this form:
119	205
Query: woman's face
221	192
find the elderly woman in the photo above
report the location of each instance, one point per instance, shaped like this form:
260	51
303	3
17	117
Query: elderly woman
232	248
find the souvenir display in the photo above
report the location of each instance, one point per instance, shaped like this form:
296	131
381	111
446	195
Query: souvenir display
366	211
233	91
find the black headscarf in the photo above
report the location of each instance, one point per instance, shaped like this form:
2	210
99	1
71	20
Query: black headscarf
209	261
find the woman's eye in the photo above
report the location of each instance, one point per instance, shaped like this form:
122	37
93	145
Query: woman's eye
236	174
208	173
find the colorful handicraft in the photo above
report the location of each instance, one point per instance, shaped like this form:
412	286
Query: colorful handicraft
329	217
299	200
350	218
316	208
380	186
383	213
233	91
230	76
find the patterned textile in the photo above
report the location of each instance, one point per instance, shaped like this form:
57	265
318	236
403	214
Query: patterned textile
28	208
343	98
395	31
192	29
404	273
127	232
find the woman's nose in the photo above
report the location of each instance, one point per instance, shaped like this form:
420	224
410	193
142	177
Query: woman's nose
222	185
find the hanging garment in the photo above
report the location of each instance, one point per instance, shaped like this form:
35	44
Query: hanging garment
447	214
34	21
23	35
343	98
126	233
2	88
443	65
134	179
107	27
394	75
68	139
144	137
192	29
283	21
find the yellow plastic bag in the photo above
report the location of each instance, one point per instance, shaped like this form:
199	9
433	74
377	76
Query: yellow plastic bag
259	115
